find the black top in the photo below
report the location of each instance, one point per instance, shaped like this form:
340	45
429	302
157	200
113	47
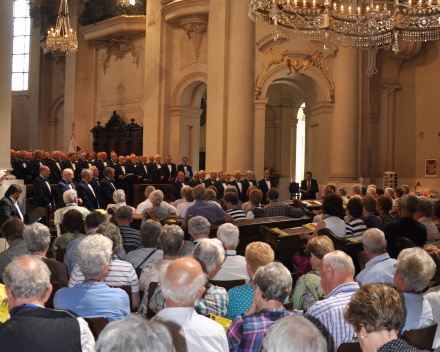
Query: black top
397	345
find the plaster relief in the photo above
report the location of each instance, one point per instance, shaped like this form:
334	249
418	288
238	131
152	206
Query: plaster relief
119	51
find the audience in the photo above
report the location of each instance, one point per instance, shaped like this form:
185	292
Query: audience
247	206
256	212
182	195
424	215
398	210
12	231
398	193
189	198
70	197
147	204
234	209
93	298
356	191
371	191
156	199
198	228
211	196
370	220
383	208
343	194
130	236
120	200
355	226
432	294
277	208
72	223
390	193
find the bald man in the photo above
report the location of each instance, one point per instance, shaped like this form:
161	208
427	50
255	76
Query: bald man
337	271
183	282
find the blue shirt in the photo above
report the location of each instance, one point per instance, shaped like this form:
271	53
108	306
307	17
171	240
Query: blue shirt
240	300
417	312
203	208
378	270
94	300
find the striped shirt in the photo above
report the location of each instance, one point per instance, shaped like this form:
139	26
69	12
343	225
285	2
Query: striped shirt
130	236
355	228
121	273
237	214
328	316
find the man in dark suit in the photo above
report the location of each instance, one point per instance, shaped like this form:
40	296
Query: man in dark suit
107	188
113	160
157	170
195	180
65	184
42	192
264	185
101	164
178	184
54	165
70	163
22	168
169	170
310	186
185	168
121	169
37	163
142	171
247	182
237	184
86	192
133	162
10	206
221	184
212	179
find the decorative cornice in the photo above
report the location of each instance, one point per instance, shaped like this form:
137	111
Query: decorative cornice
195	28
119	50
174	11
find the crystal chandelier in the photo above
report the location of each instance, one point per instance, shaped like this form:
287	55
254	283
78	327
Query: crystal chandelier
63	39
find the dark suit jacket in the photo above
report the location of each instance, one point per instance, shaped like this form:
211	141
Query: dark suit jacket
22	172
156	172
189	168
143	170
63	187
166	171
8	210
246	185
313	189
220	189
177	186
55	171
86	195
122	183
101	167
262	185
42	196
107	190
66	164
240	194
96	184
193	183
209	182
34	166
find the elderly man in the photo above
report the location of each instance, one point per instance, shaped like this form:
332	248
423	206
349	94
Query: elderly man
70	199
10	206
234	266
195	180
407	226
424	215
36	164
356	191
55	167
178	184
101	164
31	327
212	179
199	228
276	208
42	190
185	168
130	236
107	187
12	231
21	168
380	268
183	283
202	176
337	271
65	184
221	184
238	185
182	196
169	169
143	172
265	185
247	182
209	210
272	283
147	203
86	191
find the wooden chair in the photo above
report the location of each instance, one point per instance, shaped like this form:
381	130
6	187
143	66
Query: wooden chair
44	212
55	287
228	284
404	243
350	347
126	288
288	306
422	338
96	325
151	290
60	255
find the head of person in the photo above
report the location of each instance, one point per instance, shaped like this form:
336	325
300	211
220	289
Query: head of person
133	158
183	189
328	191
55	155
196	176
317	248
44	172
213	176
95	171
114	157
231	200
410	205
72	157
168	158
356	190
149	233
157	158
405	189
384	204
398	192
149	190
335	268
199	192
237	175
214	189
63	156
341	191
83	156
332	205
228	234
156	197
399	205
39	154
12	153
22	155
266	174
355	207
250	175
12	230
371	191
434	253
89	157
94	256
134	333
308	175
93	220
374	242
37	237
151	159
227	176
389	192
72	221
122	160
13	191
68	175
372	310
189	194
70	197
307	337
255	197
257	254
199	226
210	253
180	175
229	189
86	175
221	176
171	241
379	192
104	156
273	193
369	203
414	269
119	196
426	208
202	175
185	160
112	232
144	159
210	195
124	215
250	189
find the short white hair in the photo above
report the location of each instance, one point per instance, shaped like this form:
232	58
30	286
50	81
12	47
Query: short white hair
66	171
249	172
37	237
389	192
119	196
183	189
228	234
371	191
156	197
148	190
374	240
342	264
210	252
69	196
94	252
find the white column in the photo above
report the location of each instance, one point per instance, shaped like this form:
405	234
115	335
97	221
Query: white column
259	136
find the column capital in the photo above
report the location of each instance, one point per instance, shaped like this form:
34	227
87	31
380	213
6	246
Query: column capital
391	87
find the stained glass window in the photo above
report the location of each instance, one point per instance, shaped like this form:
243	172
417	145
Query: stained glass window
20	58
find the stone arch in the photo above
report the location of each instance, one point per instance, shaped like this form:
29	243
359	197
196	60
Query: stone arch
186	89
54	134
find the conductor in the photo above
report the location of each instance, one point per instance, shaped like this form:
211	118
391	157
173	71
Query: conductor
309	187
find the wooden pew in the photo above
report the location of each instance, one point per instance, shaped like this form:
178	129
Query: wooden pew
139	192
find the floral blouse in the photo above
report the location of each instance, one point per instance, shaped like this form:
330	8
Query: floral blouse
308	290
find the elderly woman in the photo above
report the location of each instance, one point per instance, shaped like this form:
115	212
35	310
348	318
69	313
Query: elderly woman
343	194
414	269
182	194
390	193
308	288
247	206
189	197
424	215
119	198
73	223
383	207
375	313
156	198
355	226
331	206
211	196
432	295
93	298
240	298
256	212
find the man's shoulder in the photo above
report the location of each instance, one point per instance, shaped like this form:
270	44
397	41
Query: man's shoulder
216	290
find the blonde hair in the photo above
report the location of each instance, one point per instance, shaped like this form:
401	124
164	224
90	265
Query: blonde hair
258	254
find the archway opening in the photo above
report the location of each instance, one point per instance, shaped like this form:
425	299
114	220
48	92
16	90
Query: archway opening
300	144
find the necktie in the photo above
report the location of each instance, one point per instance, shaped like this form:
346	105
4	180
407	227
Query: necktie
308	185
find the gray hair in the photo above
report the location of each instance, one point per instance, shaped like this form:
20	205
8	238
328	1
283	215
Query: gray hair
171	240
124	213
416	267
199	225
156	197
389	192
148	190
66	171
211	253
399	202
94	252
69	196
183	189
249	172
307	337
196	174
374	240
341	264
111	231
85	172
149	233
228	234
356	189
134	334
26	281
405	188
411	203
108	170
342	190
119	196
199	192
54	152
371	191
274	281
230	189
426	207
37	237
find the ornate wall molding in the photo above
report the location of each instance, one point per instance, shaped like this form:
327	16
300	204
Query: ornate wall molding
119	49
195	28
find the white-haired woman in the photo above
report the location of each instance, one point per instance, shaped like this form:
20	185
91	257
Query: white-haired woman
119	198
156	198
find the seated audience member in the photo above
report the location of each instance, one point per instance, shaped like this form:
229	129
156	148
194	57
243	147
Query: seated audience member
149	235
272	285
156	198
171	242
406	227
10	206
308	288
135	334
356	191
397	212
371	191
12	231
363	191
201	207
93	298
177	185
375	313
398	193
120	272
379	192
199	228
147	204
37	238
436	215
276	208
231	189
183	284
73	223
424	215
384	206
210	254
343	194
211	197
337	271
371	221
414	269
70	197
182	196
231	202
379	267
257	255
31	327
247	206
120	200
234	266
307	338
130	236
432	295
405	190
256	212
354	227
189	198
331	206
390	193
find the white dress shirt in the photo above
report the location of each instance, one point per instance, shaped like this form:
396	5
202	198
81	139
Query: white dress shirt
199	333
233	268
239	186
147	205
17	207
182	207
268	184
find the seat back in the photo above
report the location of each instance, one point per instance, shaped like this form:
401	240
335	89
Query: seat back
288	306
96	325
60	255
150	215
228	284
421	338
350	347
151	290
126	288
337	241
55	287
404	242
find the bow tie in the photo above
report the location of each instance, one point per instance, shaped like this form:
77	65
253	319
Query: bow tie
45	179
267	179
86	182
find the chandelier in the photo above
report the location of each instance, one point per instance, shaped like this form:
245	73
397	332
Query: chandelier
63	39
373	29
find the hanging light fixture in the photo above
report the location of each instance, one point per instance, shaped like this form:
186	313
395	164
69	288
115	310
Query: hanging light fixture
63	39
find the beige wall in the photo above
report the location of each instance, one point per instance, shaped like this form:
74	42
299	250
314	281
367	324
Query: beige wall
20	122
